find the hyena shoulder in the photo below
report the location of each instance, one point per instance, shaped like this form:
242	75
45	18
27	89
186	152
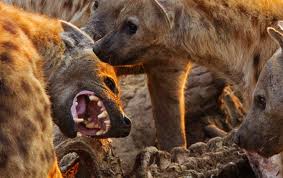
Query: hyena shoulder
26	126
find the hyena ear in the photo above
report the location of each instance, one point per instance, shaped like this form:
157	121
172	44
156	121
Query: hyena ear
276	35
167	10
73	36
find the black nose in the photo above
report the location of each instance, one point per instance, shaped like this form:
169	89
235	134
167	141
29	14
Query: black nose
102	55
126	121
95	49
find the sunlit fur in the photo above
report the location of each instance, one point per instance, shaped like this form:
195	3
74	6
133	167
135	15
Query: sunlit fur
25	114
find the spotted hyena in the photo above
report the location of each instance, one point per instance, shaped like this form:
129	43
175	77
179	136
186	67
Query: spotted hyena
205	32
37	53
262	130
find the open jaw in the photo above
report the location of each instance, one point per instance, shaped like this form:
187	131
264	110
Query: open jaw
90	115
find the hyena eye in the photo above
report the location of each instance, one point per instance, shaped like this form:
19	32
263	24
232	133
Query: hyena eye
109	82
95	5
131	28
260	102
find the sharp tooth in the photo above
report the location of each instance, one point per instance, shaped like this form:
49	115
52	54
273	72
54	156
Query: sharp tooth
102	109
107	122
93	98
99	103
100	132
76	103
78	120
102	115
79	134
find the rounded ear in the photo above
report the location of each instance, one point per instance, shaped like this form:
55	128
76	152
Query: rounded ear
276	35
167	11
73	36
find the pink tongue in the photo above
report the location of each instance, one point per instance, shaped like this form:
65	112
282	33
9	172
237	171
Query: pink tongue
81	108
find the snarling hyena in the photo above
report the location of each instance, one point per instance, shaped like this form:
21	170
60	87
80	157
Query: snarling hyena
37	53
228	37
262	130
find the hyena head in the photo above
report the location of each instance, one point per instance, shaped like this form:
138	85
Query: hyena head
104	14
138	34
84	92
262	130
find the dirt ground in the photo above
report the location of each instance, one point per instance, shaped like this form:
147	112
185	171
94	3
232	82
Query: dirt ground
136	156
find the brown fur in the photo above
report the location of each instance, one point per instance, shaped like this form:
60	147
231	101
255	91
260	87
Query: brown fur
26	124
227	36
167	97
262	129
32	53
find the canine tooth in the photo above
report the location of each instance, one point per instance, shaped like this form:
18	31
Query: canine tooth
100	132
78	120
99	103
79	134
93	98
107	122
102	115
76	103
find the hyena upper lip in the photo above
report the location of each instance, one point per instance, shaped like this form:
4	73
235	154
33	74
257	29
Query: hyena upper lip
89	114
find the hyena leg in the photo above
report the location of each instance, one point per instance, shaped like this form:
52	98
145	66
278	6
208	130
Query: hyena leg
166	86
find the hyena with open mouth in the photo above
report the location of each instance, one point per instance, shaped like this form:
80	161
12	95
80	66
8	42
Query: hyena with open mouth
37	53
86	87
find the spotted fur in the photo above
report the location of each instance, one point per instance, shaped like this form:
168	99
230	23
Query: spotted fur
26	148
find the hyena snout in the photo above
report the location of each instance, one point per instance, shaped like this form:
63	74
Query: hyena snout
102	49
120	127
245	137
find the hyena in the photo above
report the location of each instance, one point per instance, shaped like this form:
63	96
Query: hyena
168	109
37	53
262	130
206	32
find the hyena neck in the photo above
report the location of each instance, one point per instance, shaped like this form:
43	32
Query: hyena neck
42	31
228	36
